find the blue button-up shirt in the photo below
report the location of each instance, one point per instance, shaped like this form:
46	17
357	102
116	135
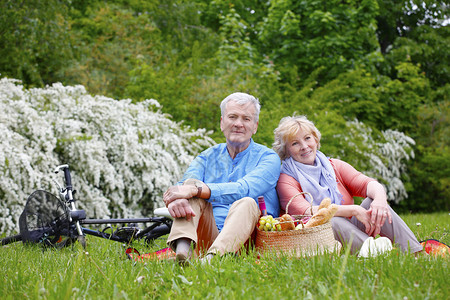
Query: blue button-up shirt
253	172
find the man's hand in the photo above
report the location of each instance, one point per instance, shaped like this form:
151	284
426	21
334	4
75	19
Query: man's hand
181	208
179	192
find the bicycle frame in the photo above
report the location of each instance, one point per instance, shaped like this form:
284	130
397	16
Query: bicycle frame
160	225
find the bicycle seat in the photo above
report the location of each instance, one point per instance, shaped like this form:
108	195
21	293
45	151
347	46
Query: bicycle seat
162	211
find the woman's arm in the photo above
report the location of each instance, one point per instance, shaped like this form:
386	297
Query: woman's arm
348	211
287	188
358	184
379	208
373	218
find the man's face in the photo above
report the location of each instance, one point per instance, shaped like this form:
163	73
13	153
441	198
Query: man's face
238	123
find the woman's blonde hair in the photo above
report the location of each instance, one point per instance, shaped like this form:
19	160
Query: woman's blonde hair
287	130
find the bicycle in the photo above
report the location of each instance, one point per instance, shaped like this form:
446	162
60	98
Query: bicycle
52	221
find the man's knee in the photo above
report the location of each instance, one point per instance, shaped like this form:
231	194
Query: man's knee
246	202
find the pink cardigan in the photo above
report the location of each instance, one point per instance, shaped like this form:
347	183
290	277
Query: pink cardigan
351	183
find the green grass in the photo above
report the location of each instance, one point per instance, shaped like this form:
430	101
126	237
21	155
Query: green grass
103	272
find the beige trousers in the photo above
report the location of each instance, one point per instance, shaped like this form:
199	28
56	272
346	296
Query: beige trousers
202	230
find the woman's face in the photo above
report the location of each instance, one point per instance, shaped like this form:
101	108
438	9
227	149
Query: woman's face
302	148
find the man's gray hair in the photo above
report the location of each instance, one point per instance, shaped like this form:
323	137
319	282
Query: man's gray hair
241	98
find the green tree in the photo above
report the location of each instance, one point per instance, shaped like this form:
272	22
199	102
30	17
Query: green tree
35	41
313	34
111	39
429	185
415	31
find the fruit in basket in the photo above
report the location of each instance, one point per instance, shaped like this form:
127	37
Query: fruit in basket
322	216
287	222
276	226
262	223
268	223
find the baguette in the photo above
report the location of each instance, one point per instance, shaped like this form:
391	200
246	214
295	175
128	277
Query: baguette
322	216
325	203
333	210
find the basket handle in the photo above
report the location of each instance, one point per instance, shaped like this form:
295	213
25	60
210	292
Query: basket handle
302	193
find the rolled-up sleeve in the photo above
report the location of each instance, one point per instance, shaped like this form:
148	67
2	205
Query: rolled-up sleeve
262	177
196	169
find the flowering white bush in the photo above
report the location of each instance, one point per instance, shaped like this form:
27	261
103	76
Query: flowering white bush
386	159
122	155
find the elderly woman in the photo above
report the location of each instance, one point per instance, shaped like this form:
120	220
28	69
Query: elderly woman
306	169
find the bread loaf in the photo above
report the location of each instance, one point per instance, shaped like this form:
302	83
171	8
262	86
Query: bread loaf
286	222
333	210
325	203
318	218
322	216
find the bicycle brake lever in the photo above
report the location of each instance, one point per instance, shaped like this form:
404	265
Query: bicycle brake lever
61	167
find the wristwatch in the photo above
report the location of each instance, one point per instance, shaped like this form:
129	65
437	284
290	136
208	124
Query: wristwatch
199	186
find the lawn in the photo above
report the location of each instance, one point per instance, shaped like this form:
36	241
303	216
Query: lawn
104	272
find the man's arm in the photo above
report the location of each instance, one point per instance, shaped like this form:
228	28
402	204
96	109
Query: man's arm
186	191
176	198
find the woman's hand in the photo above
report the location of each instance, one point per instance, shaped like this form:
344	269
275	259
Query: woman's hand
379	212
181	208
363	216
379	208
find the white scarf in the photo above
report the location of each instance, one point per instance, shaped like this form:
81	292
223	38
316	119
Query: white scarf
319	180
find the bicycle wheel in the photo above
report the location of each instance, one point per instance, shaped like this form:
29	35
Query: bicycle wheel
45	220
11	239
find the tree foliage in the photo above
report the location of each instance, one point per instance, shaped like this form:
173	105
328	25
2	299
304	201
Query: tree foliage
359	69
35	40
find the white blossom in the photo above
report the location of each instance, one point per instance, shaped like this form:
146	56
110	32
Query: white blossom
386	157
122	155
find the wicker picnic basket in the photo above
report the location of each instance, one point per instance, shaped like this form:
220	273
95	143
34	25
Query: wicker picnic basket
301	242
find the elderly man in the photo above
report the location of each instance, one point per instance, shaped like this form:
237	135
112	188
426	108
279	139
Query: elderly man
215	208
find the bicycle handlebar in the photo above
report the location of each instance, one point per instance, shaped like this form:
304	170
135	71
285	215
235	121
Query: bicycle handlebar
67	177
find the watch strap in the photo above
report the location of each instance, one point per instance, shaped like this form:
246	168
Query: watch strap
199	187
199	191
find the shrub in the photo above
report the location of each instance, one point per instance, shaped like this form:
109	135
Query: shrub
122	155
